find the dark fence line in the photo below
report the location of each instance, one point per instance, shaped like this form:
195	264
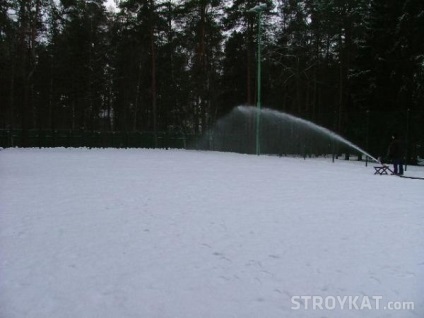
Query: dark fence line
242	141
93	139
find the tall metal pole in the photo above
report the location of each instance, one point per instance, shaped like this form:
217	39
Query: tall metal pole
258	9
407	140
368	138
258	113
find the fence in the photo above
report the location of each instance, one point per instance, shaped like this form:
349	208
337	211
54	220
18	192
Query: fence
96	139
242	141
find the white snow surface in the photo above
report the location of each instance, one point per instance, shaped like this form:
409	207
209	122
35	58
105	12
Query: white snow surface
173	233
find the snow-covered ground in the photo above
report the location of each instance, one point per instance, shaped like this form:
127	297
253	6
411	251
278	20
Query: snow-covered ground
156	233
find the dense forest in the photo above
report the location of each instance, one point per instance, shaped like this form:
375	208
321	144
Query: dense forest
355	67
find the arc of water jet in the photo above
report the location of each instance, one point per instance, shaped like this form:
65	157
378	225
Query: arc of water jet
313	126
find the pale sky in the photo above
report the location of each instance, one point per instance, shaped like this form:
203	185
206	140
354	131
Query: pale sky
110	3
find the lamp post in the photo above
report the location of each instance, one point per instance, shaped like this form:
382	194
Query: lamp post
407	139
368	134
258	10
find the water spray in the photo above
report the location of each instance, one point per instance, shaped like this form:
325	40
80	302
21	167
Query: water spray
280	133
309	124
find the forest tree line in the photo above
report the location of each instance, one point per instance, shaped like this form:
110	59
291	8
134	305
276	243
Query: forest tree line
355	67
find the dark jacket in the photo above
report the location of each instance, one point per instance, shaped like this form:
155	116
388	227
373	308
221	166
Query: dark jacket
395	149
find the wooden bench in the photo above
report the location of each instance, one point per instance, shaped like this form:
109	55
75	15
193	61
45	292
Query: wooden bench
382	170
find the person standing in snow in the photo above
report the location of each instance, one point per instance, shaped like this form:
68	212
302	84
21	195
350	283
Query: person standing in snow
395	153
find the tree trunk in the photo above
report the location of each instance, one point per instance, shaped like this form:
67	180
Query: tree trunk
137	97
153	56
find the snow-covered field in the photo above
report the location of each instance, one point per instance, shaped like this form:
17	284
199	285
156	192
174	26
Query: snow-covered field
156	233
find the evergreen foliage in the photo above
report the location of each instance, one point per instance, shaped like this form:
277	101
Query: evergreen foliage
356	67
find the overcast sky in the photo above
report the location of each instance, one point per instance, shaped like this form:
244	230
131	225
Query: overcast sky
110	3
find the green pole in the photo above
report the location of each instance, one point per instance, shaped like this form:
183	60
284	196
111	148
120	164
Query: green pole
258	113
258	9
368	134
407	140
